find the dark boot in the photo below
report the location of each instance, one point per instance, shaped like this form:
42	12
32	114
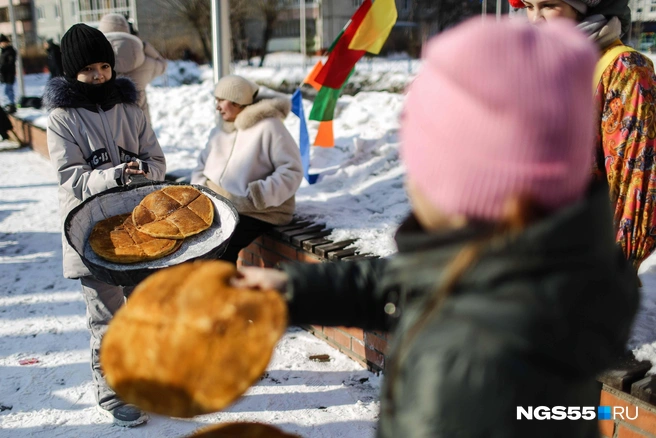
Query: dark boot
126	415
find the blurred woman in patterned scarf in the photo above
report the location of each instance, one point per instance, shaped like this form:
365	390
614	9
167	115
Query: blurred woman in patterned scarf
624	89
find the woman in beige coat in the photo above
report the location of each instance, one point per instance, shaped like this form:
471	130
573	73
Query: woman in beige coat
252	160
135	59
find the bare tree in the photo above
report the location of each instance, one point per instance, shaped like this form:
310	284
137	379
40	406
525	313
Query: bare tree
434	16
240	11
451	12
198	14
270	9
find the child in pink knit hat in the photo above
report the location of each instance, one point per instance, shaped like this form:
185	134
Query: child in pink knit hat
484	122
497	300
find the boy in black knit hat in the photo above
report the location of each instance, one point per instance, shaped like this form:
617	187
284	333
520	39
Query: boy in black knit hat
97	138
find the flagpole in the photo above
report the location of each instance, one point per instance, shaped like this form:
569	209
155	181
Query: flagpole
226	38
220	39
303	43
220	44
62	26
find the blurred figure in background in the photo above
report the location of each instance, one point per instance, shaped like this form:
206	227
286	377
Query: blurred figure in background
133	30
625	92
54	58
507	268
8	73
135	59
188	55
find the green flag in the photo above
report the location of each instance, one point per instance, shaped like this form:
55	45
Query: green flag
323	108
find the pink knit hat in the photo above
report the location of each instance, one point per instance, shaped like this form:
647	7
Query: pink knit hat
501	109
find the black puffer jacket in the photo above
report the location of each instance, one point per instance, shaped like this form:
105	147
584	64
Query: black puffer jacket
528	324
8	65
55	60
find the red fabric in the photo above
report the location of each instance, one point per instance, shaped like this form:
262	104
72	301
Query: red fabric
517	4
342	59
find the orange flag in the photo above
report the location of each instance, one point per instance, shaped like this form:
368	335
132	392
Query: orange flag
310	78
325	135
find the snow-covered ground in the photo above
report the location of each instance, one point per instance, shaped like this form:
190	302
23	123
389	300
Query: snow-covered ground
360	195
45	388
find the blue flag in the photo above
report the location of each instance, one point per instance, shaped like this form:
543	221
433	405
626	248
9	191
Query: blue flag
304	138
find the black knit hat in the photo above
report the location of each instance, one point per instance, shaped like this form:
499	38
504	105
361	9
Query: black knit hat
82	45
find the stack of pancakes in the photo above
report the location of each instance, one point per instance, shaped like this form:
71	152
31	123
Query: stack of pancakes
155	228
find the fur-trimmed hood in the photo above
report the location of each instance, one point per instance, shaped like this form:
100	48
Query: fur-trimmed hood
129	51
263	109
60	93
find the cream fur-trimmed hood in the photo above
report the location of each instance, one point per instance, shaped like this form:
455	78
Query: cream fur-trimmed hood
277	107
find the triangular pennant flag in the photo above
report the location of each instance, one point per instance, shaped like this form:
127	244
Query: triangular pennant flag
324	104
325	137
376	27
367	30
304	138
310	78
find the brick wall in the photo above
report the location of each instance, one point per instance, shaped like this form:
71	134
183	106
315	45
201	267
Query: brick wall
266	252
644	426
286	244
31	135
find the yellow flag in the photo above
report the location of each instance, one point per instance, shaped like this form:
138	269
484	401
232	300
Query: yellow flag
375	28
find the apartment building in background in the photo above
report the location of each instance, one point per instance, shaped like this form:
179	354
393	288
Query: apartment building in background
642	34
154	22
324	20
25	20
38	20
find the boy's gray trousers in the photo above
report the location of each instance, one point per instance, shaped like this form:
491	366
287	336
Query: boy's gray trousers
103	301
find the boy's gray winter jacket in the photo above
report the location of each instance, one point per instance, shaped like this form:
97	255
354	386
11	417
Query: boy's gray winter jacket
89	145
530	323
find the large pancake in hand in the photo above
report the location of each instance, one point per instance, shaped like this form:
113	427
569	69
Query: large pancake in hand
117	239
241	430
187	343
174	212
